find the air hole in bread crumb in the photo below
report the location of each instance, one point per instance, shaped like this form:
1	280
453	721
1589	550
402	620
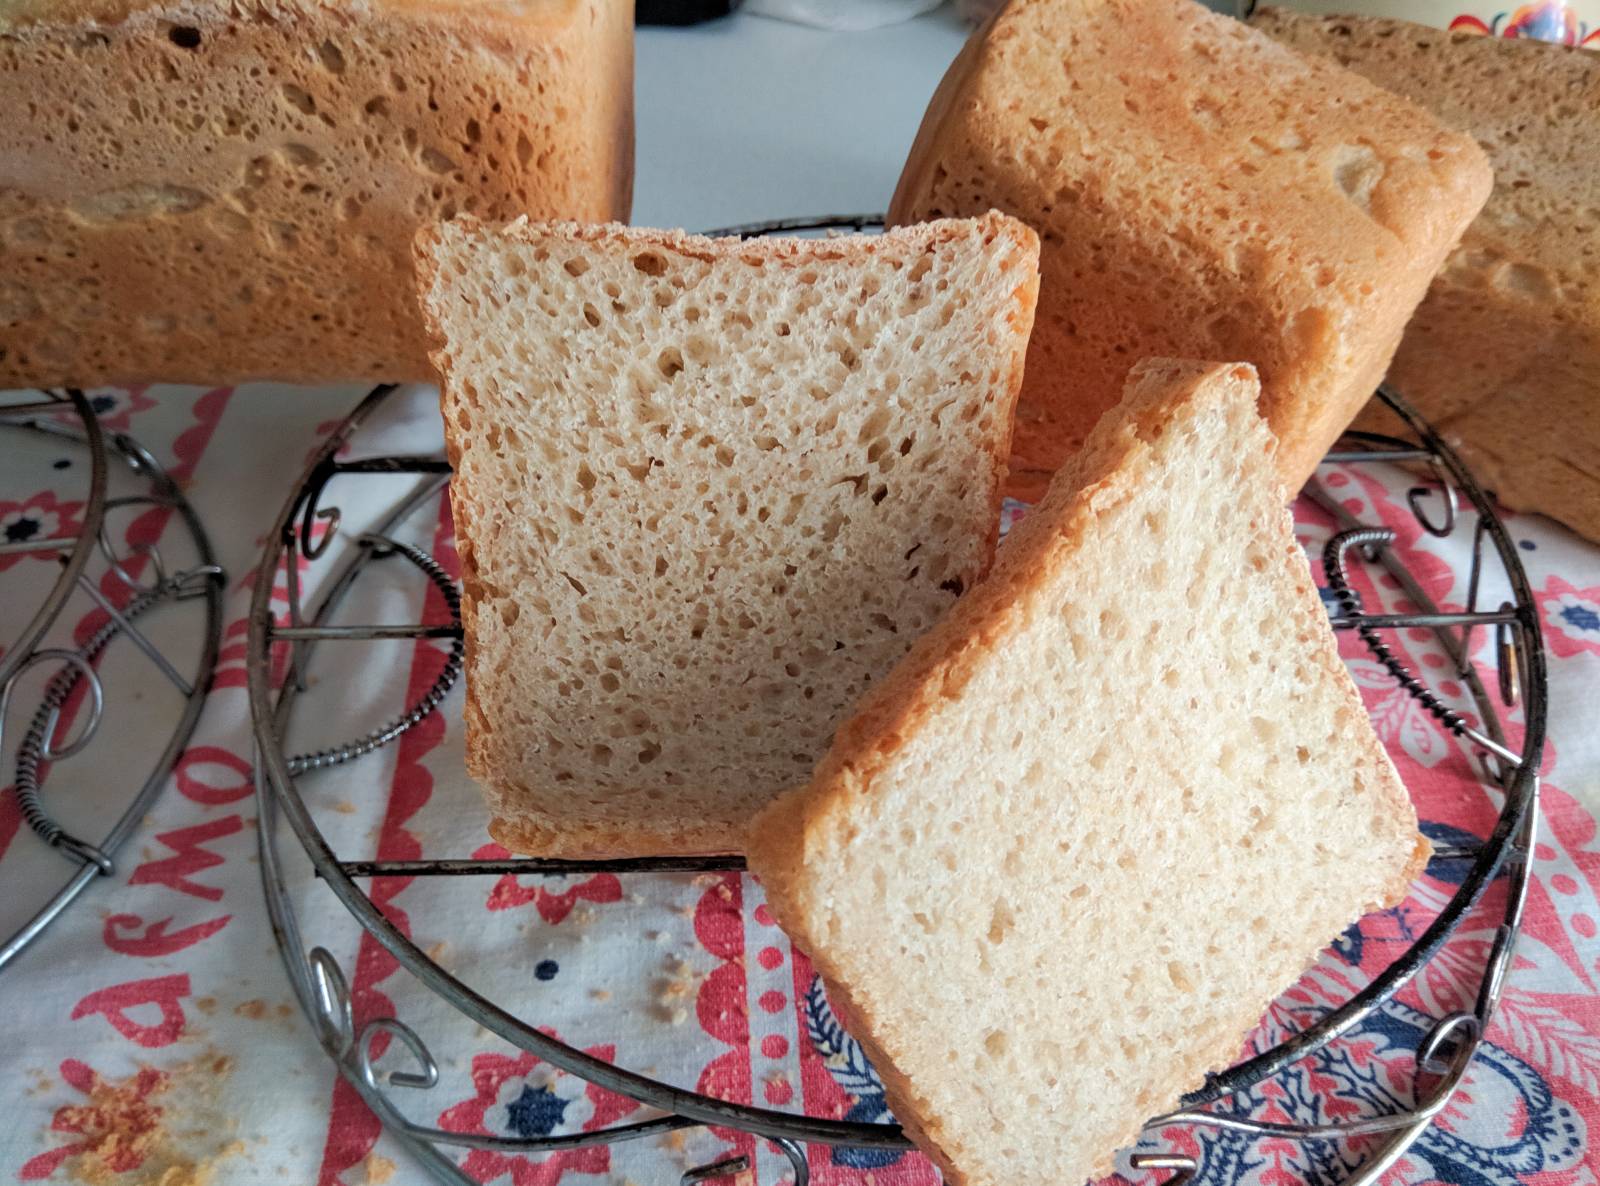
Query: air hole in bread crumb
669	362
332	57
184	36
436	162
575	266
995	1043
650	263
591	314
298	98
1001	923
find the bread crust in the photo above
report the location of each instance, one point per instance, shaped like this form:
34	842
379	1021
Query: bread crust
521	822
791	844
1200	192
236	195
1503	356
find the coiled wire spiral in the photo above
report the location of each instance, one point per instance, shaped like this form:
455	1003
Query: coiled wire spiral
34	749
351	750
1350	605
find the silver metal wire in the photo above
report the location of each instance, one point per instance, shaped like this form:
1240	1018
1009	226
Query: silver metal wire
40	747
1441	1058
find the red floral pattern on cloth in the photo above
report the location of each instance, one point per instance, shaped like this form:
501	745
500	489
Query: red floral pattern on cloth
38	518
553	905
180	941
522	1096
1571	618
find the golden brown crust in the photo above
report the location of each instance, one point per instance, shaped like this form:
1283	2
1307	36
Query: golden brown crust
665	828
1125	132
263	228
1504	355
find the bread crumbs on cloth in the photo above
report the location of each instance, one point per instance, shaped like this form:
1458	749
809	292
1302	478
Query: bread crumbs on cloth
379	1169
156	1121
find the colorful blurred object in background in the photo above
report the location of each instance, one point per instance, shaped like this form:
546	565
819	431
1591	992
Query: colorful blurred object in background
1549	21
1567	22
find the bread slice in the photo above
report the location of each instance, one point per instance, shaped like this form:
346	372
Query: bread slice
1504	355
705	492
1201	192
1101	813
207	191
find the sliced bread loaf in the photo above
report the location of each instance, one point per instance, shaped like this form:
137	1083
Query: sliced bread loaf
1504	355
1051	850
1201	192
203	191
705	492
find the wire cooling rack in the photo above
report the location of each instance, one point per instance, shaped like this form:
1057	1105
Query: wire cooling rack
122	479
1446	503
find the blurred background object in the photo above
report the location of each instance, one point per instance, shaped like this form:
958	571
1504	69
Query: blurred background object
681	12
1566	22
846	15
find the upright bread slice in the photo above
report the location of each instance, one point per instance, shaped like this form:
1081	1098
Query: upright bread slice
207	191
1201	192
1023	860
1504	355
705	492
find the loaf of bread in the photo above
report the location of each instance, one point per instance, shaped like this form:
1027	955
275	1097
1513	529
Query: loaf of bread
1048	865
206	191
1504	355
705	492
1201	192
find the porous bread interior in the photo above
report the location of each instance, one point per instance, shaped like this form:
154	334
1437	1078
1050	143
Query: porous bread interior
207	192
1504	355
1200	191
705	492
1103	812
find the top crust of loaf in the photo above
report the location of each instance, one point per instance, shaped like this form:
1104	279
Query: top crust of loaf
760	469
1533	107
1200	191
20	15
878	929
208	191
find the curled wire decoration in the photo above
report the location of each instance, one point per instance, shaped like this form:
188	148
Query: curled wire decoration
1453	501
68	418
39	744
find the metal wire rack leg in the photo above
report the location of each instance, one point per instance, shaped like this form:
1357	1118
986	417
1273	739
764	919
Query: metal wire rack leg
40	746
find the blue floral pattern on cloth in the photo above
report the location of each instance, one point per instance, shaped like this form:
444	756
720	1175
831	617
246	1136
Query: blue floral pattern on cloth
1541	1133
848	1065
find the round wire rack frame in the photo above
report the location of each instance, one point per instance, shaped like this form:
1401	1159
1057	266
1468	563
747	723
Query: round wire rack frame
1446	502
94	574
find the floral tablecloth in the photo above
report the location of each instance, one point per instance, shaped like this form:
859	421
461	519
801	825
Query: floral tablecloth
150	1036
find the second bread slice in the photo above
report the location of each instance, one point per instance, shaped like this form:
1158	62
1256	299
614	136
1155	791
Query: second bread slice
706	491
1102	813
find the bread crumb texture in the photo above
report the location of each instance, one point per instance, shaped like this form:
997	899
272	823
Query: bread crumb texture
1051	850
705	492
1504	355
1200	191
208	192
